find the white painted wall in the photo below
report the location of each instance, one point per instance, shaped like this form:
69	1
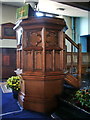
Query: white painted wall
77	30
68	21
8	14
84	26
0	13
8	43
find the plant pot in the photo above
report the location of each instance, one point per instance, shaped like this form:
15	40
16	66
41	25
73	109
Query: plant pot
15	94
69	111
83	109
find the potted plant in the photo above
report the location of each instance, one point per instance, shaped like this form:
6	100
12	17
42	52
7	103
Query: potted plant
14	83
82	99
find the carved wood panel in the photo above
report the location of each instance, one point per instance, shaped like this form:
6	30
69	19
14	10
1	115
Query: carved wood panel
51	38
57	60
38	60
29	60
25	60
49	60
32	38
32	60
25	39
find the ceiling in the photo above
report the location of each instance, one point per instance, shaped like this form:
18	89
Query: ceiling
76	8
81	5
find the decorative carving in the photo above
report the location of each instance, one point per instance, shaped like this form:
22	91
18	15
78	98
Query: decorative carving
33	38
51	38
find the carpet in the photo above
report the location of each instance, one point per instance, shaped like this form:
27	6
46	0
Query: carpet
4	88
12	111
8	104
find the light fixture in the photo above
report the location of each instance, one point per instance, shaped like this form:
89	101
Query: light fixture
39	14
62	9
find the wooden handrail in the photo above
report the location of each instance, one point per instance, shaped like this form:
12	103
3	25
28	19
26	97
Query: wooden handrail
71	57
71	41
79	58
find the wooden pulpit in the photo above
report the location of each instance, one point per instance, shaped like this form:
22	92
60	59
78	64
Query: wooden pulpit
40	56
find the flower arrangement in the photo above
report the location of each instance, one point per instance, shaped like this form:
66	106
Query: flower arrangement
14	83
82	98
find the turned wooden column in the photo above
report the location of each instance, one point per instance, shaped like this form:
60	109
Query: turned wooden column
42	75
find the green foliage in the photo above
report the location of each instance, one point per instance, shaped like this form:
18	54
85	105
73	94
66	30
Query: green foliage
14	83
82	97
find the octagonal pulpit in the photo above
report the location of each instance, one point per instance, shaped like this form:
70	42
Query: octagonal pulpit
40	56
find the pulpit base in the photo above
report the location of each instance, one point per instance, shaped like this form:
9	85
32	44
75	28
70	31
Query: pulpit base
41	91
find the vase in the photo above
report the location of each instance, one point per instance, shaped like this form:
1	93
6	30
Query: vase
15	94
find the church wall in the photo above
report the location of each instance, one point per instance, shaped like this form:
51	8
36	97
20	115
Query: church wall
8	43
77	30
84	27
82	30
7	46
68	31
0	13
69	25
8	14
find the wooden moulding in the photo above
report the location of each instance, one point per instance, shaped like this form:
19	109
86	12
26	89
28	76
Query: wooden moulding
33	48
34	23
40	48
42	90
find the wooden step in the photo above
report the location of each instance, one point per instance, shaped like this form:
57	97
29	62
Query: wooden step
70	79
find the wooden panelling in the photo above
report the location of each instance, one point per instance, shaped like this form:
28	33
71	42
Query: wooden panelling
41	89
25	56
29	56
8	67
49	61
57	60
6	60
38	60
